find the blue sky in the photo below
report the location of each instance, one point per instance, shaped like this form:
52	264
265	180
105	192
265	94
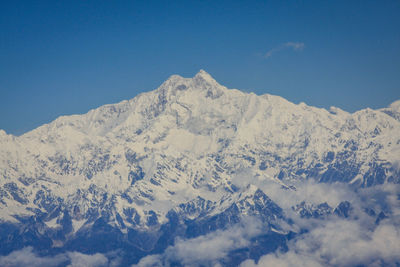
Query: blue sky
66	57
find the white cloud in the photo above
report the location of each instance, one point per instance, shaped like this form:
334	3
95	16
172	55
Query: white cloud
296	46
339	243
150	261
342	242
207	249
308	190
283	260
26	257
84	260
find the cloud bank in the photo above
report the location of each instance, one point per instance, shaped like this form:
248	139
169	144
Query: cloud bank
360	239
369	236
206	250
339	243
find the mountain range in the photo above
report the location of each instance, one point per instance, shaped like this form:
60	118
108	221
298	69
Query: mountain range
186	161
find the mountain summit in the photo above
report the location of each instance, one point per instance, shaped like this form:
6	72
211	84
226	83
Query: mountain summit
188	150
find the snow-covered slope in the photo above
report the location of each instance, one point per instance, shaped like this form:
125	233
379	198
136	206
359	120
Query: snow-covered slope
190	141
191	137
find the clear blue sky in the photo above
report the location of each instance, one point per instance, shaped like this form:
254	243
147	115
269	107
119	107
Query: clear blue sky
66	57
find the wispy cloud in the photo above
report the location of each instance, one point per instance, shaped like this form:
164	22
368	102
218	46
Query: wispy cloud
27	257
295	46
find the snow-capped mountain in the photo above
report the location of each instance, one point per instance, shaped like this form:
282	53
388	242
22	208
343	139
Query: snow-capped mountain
182	160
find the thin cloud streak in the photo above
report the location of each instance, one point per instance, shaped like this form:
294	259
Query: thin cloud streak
295	46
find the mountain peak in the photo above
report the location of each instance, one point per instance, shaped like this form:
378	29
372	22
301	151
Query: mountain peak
202	81
202	75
